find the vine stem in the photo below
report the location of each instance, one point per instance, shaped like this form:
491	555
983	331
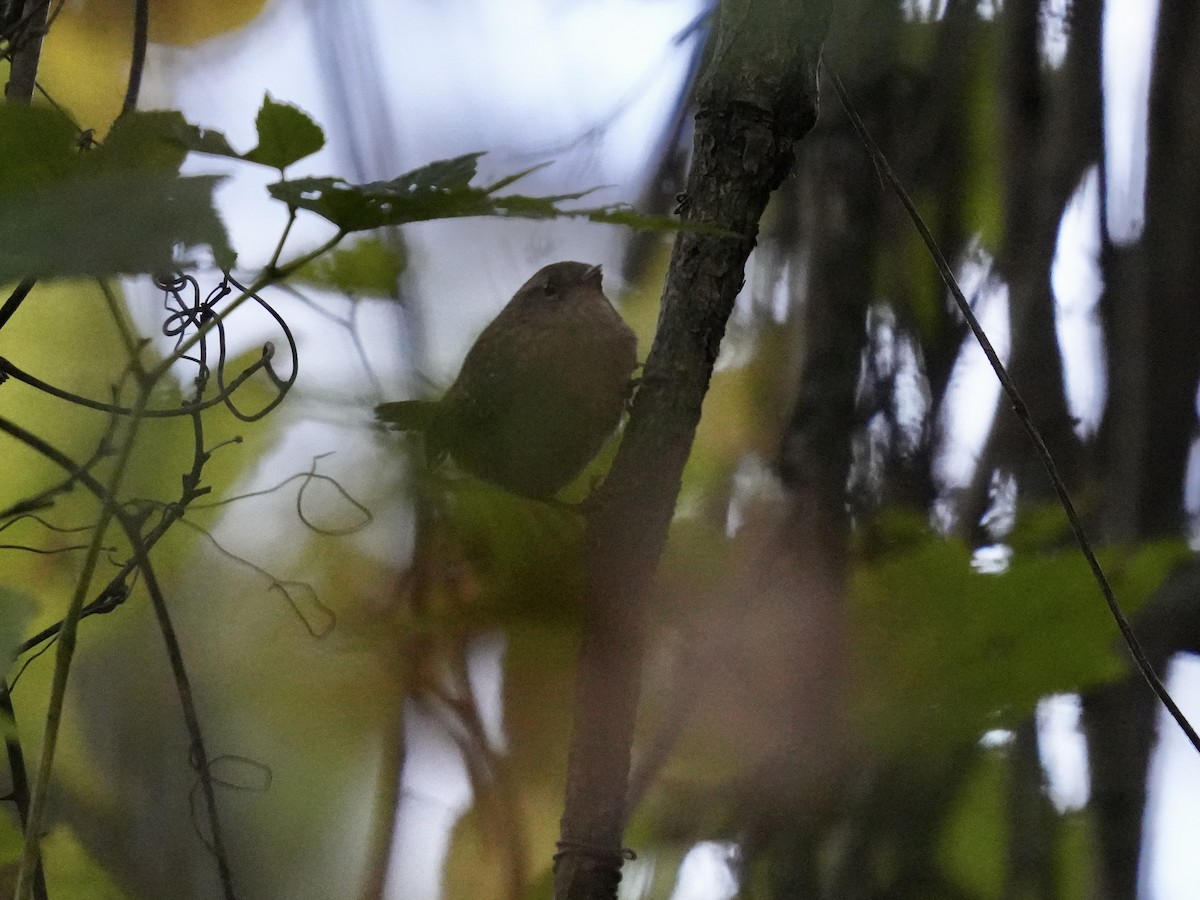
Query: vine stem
1018	404
20	782
137	61
141	551
64	654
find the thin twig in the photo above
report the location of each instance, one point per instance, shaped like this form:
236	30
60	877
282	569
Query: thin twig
141	552
20	782
1018	405
64	655
133	346
8	367
15	299
137	59
187	702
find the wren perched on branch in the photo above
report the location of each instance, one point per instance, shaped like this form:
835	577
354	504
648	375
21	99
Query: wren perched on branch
540	390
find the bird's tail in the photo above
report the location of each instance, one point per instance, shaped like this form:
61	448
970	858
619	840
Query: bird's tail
421	416
408	415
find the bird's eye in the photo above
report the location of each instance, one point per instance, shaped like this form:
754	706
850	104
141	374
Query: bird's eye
549	288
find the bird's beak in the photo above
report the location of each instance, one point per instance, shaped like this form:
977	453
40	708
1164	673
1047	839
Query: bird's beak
593	272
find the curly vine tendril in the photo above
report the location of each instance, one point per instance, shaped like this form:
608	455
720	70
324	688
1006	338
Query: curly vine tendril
187	312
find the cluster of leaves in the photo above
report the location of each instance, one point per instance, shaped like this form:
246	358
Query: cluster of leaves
60	195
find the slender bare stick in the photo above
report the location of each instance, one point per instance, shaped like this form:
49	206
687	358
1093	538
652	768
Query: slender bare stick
137	60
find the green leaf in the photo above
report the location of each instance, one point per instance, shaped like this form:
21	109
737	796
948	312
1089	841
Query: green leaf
157	139
37	145
206	140
442	190
107	224
535	207
285	135
118	209
439	190
142	140
972	845
514	177
368	268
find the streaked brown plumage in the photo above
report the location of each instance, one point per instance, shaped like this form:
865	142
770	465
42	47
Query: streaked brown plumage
539	392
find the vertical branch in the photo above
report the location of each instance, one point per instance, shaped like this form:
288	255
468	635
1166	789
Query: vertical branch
758	97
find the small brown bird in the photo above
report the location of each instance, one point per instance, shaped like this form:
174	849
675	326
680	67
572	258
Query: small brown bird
539	392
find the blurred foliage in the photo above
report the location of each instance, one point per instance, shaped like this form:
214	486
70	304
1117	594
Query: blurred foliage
526	555
70	870
16	609
367	268
943	653
171	21
982	204
975	842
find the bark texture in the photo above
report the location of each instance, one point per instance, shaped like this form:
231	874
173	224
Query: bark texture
756	99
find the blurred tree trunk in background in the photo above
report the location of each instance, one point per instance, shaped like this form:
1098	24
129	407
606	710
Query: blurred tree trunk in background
924	100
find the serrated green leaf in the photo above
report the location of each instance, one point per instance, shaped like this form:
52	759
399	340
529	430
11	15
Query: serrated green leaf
443	175
142	140
285	134
108	224
536	207
442	190
438	190
514	177
37	145
206	140
362	207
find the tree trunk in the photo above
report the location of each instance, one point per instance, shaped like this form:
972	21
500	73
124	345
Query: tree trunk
757	98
